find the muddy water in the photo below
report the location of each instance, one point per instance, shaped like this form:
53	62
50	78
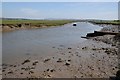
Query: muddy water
41	41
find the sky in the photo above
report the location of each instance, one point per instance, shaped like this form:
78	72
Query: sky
60	10
60	0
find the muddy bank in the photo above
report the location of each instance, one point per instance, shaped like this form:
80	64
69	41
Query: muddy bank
12	27
109	39
113	40
8	25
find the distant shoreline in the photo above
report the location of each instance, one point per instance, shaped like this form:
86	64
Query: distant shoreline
10	25
113	22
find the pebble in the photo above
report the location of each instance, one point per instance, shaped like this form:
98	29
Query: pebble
59	60
47	69
67	63
46	60
52	70
21	73
31	72
3	70
84	48
69	48
14	65
10	72
69	60
34	63
26	61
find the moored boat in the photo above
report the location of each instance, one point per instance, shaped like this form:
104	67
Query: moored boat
74	24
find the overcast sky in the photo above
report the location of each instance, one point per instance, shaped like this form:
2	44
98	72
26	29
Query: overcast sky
61	10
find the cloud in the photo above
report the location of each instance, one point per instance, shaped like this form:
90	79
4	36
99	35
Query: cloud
30	12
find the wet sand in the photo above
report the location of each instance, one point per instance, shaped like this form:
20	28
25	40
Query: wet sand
91	58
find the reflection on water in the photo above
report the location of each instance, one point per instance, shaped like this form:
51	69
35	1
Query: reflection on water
38	41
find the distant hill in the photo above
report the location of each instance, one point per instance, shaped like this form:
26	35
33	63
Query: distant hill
35	19
13	19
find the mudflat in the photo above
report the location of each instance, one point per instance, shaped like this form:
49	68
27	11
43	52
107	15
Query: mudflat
91	58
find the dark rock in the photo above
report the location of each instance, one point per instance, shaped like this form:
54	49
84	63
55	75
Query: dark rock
99	68
46	60
49	76
47	69
116	67
67	64
26	61
103	48
21	73
32	67
19	25
10	72
10	65
59	60
35	63
22	68
52	70
113	68
26	69
31	72
14	66
94	49
118	74
84	48
4	65
3	70
69	60
69	48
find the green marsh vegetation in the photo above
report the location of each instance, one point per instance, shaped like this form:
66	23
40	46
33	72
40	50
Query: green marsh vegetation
37	22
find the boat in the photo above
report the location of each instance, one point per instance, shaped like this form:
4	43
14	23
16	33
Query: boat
74	24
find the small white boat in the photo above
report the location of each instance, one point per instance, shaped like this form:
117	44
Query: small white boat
74	24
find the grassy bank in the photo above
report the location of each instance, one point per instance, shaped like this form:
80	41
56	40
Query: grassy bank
112	22
37	22
12	24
